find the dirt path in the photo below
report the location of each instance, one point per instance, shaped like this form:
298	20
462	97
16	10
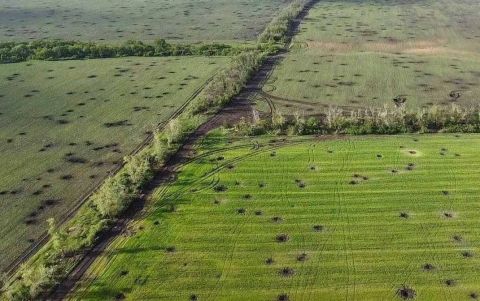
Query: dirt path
240	107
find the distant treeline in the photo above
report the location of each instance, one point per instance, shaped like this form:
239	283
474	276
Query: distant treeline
14	52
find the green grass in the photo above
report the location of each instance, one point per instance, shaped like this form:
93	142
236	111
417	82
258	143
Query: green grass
364	24
365	250
310	80
115	21
78	119
366	53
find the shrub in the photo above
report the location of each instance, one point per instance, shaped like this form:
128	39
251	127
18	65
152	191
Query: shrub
276	31
227	83
113	196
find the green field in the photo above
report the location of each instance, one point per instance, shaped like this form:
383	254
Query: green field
311	219
366	53
65	125
147	20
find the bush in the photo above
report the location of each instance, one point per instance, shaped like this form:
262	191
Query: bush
113	196
227	83
276	31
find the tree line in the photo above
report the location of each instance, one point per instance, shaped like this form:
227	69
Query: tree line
379	121
14	52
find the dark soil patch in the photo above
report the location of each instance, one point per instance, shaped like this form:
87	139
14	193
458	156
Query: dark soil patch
283	297
318	228
76	160
404	215
269	261
117	123
457	238
302	257
428	267
277	219
448	214
406	293
286	272
220	188
247	196
282	238
170	249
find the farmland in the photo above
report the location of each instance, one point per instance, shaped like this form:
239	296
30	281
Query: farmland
65	125
366	218
146	20
277	150
365	54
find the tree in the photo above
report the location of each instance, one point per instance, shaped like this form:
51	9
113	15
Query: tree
113	197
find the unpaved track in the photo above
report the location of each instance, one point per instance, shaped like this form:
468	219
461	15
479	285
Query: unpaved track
240	107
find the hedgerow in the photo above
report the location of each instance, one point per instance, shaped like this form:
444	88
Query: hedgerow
387	120
14	52
276	31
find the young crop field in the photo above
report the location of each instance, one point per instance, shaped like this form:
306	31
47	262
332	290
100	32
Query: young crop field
147	20
371	218
65	125
356	54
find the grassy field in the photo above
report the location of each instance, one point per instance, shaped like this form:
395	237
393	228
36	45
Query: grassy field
65	125
371	218
365	54
114	21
